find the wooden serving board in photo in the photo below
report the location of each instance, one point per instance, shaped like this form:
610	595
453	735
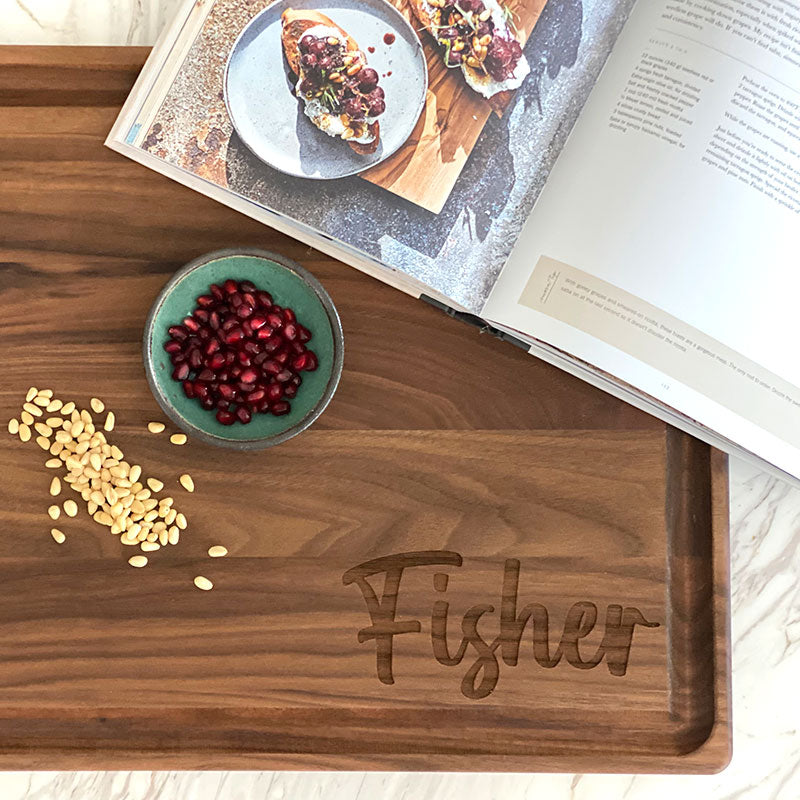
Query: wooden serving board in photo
472	561
423	171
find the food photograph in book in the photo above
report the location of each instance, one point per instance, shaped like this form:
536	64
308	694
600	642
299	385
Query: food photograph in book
418	132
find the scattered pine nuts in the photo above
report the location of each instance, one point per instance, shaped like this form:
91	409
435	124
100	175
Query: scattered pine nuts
48	393
217	551
33	409
42	429
148	546
43	442
41	401
178	438
13	426
55	486
26	418
32	392
24	432
53	463
181	522
187	482
98	406
138	561
203	583
134	475
54	512
67	408
58	535
108	425
70	508
156	427
155	484
53	405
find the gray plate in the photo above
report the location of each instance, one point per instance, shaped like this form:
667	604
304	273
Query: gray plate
269	118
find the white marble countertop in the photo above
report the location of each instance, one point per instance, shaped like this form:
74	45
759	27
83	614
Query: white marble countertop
765	517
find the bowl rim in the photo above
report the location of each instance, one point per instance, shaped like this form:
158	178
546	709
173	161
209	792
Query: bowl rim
338	349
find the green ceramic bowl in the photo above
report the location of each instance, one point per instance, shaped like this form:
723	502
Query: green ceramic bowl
290	285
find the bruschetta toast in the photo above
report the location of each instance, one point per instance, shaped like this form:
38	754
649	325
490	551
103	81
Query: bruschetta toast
477	37
339	91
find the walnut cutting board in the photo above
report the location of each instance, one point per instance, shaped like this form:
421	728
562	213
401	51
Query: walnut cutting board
472	561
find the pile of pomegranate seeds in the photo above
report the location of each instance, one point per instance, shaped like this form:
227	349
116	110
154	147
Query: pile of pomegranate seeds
240	353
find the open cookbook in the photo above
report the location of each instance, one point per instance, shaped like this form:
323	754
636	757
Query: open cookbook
612	184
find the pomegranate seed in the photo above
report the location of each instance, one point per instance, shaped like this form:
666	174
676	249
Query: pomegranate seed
181	372
275	392
223	376
207	403
256	396
195	359
312	362
303	334
178	332
275	320
300	362
281	357
235	371
200	314
216	291
280	408
272	344
296	380
250	299
235	300
264	299
226	391
230	322
257	321
206	375
284	375
225	417
230	286
178	358
290	391
263	406
188	389
243	414
222	404
200	389
217	361
172	346
246	329
264	333
192	324
204	333
212	347
288	315
290	331
276	308
244	311
230	357
244	358
251	347
271	367
213	320
260	358
234	335
247	286
205	301
249	376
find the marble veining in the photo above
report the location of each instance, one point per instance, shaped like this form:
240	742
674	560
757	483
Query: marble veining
765	517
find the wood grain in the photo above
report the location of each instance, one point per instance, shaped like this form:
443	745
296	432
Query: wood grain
438	441
425	169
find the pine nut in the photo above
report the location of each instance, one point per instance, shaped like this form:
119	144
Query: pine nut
77	429
53	405
58	535
70	508
217	551
178	438
54	422
42	429
56	448
67	408
96	461
43	402
150	547
55	486
26	418
108	425
43	442
32	392
116	452
131	541
151	516
170	516
174	535
203	583
24	433
54	512
13	426
33	409
97	405
86	417
155	484
138	561
134	474
167	502
163	538
181	521
156	427
91	507
53	463
187	482
48	393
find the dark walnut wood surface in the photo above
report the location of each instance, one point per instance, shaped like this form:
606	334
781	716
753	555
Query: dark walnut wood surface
472	561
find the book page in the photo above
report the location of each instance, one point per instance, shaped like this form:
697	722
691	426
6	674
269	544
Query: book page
664	249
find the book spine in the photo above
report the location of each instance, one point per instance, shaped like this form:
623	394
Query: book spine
477	322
